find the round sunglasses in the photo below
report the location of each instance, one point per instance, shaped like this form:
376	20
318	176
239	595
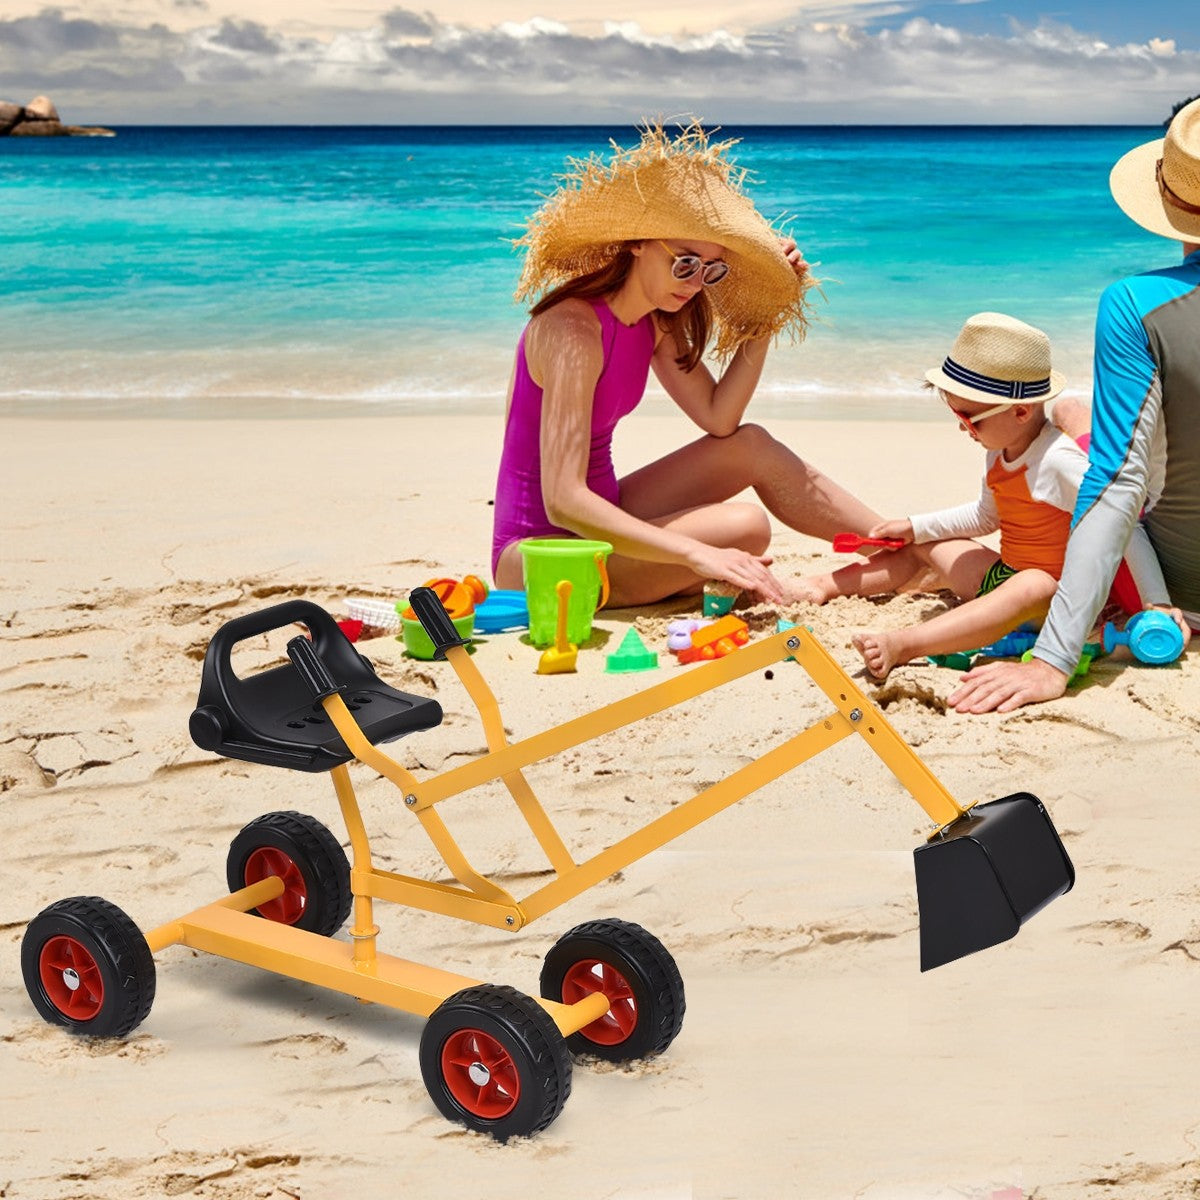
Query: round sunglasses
684	266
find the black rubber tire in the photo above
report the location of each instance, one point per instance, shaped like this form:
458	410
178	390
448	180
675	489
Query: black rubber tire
121	957
531	1039
318	856
649	969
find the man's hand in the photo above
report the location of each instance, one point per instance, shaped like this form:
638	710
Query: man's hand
1001	687
1176	615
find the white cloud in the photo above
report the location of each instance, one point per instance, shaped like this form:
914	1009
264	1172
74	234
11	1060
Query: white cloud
412	67
534	27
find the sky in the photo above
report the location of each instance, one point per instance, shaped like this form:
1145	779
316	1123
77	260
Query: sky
608	62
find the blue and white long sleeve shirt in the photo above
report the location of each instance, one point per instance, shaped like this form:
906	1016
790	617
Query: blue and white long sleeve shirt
1145	452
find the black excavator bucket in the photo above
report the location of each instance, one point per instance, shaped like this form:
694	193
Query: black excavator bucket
984	875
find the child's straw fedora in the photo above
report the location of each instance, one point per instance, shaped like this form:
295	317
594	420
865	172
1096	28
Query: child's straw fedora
1158	184
997	359
682	187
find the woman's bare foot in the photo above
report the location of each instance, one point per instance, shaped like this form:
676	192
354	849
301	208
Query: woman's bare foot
813	589
879	653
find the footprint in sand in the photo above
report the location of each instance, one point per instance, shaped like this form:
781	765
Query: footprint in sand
1108	933
640	1068
305	1045
39	1043
1188	951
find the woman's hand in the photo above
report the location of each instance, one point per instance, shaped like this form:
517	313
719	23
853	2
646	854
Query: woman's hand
893	529
795	258
739	567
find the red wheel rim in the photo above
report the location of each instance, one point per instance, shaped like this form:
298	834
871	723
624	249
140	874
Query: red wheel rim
71	978
288	907
480	1074
591	975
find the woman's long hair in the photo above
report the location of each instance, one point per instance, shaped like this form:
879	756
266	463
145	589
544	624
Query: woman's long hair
691	326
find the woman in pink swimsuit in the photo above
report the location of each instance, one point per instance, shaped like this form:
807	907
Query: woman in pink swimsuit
640	262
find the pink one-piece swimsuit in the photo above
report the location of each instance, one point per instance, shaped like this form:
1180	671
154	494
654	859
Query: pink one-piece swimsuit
520	512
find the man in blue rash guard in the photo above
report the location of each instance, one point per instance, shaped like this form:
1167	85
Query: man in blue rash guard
1145	449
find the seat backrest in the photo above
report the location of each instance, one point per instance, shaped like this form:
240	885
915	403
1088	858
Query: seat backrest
269	717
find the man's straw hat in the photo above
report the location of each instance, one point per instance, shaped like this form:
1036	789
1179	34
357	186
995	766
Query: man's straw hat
683	187
1158	184
997	359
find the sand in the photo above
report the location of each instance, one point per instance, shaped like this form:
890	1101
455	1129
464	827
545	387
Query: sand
815	1059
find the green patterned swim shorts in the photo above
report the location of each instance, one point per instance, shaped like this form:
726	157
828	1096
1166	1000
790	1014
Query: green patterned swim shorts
997	573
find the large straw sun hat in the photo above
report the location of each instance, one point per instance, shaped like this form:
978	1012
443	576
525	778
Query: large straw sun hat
1158	184
682	187
997	359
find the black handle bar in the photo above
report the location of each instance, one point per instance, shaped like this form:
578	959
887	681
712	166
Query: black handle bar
435	620
312	670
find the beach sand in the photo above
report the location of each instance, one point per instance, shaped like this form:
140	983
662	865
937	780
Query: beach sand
815	1059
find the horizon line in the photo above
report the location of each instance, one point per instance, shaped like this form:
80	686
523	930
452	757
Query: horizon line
623	124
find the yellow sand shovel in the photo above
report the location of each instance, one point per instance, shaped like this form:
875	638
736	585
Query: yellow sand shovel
559	658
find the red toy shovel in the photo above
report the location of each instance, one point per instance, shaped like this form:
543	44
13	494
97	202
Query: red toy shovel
848	543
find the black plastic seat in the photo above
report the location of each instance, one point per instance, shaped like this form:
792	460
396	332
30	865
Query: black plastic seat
270	717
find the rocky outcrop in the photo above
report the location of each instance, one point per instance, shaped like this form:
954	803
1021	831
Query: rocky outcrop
41	108
39	118
38	129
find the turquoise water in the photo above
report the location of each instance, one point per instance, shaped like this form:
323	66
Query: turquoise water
170	267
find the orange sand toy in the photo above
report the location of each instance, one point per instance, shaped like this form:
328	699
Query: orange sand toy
722	637
458	599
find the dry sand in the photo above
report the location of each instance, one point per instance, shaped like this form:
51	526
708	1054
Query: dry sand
815	1059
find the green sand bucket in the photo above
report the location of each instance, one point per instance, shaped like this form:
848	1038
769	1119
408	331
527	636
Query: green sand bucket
548	560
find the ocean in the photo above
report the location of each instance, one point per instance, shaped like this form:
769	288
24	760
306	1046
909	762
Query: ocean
259	270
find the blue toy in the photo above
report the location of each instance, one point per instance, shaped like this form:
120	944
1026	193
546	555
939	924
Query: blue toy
1011	645
1018	644
1153	637
501	610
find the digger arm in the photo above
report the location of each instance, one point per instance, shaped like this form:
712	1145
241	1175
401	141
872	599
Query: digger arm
898	756
983	872
851	704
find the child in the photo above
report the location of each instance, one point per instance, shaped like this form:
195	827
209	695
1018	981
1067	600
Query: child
996	381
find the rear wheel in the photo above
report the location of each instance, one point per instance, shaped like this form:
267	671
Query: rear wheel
306	857
637	974
493	1060
88	968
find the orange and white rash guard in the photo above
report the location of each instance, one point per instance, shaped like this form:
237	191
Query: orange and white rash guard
1030	501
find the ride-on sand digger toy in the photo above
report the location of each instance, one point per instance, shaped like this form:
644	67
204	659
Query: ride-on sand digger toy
492	1057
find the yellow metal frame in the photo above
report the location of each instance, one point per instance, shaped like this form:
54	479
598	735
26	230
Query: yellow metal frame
226	929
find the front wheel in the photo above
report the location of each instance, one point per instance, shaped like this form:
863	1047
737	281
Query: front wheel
493	1060
306	857
88	968
637	974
